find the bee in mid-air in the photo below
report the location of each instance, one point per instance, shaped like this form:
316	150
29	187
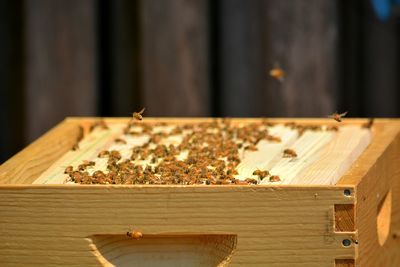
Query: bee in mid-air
138	115
277	73
338	117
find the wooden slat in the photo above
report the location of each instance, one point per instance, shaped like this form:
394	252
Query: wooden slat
337	157
60	62
30	163
11	79
174	56
257	34
50	224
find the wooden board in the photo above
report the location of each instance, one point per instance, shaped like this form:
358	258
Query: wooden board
323	156
273	225
57	224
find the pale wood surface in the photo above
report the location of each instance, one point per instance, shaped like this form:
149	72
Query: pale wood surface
377	173
26	166
41	223
275	226
323	156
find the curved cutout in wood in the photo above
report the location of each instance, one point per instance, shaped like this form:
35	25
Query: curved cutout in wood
383	218
164	249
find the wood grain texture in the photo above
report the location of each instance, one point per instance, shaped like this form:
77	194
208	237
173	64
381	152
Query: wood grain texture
26	166
174	56
381	176
50	224
258	34
60	62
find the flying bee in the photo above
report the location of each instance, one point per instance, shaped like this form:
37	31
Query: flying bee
138	115
277	73
289	153
338	117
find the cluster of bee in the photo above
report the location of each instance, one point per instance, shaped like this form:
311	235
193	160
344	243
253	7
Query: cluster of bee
213	154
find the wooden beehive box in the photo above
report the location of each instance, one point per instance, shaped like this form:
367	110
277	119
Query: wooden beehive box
353	222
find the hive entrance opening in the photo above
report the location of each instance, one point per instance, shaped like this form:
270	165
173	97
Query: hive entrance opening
164	250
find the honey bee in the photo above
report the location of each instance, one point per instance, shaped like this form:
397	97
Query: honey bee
68	170
261	174
338	117
100	123
274	178
251	147
332	128
134	234
138	115
120	141
75	147
277	73
289	153
274	138
103	154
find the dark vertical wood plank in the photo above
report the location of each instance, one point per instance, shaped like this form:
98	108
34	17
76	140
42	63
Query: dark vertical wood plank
351	58
124	60
303	37
242	69
11	79
381	53
174	56
300	36
60	62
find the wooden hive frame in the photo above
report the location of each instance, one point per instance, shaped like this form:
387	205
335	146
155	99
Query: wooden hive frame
353	223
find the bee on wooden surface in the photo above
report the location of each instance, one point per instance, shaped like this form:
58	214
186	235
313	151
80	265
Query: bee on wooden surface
338	117
89	163
289	153
138	115
261	174
103	154
75	147
274	138
277	73
134	234
100	123
69	169
251	181
120	141
368	124
332	128
274	178
251	147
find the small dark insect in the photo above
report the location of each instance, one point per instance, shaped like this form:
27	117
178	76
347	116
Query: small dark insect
289	153
332	128
274	178
338	117
368	124
100	123
261	174
251	148
103	154
89	163
274	138
75	147
138	115
68	170
251	181
120	141
134	234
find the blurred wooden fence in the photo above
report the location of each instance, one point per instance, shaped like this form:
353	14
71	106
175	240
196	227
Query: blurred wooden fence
191	58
